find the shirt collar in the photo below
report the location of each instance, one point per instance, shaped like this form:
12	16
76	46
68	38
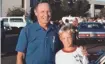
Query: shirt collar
38	27
50	26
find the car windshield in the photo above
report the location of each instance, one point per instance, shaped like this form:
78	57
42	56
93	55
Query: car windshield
16	20
91	26
5	20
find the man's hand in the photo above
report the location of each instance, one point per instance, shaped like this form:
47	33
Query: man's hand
20	58
84	51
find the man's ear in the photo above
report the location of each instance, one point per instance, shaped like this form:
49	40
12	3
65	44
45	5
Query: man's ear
35	12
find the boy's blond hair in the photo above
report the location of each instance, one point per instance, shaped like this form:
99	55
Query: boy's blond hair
66	28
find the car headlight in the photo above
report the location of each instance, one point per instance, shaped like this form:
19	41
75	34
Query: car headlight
7	28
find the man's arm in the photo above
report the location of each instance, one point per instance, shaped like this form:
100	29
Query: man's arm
20	58
84	51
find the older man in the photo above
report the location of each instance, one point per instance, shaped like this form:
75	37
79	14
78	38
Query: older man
38	42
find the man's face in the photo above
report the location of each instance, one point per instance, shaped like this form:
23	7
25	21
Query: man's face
43	13
66	38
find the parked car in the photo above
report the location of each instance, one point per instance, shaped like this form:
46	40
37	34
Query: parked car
6	24
104	25
14	23
91	31
101	59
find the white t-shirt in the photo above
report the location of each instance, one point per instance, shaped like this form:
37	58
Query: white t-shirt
75	57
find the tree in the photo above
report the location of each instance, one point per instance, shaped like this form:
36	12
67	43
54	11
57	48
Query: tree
62	8
69	7
75	7
65	5
102	12
57	12
15	11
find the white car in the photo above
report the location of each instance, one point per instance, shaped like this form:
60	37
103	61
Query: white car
13	22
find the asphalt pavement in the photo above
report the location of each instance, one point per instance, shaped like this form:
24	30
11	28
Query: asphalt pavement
8	56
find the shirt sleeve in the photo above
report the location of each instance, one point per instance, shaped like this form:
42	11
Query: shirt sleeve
57	59
22	41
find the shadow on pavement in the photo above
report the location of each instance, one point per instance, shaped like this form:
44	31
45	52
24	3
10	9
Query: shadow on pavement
9	45
8	54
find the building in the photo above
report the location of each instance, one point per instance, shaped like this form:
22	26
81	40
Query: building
6	4
0	8
96	6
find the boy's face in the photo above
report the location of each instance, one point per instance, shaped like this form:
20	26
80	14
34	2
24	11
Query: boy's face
66	38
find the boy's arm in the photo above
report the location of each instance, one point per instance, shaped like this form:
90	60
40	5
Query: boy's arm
20	58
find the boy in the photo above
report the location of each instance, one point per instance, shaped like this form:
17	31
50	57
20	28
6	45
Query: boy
70	54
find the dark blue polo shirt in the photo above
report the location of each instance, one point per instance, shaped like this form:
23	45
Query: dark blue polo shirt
38	44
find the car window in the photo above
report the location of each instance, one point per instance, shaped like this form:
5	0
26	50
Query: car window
83	26
16	20
91	26
96	26
5	20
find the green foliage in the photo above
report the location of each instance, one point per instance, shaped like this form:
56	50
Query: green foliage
15	11
65	5
62	8
69	7
57	11
75	8
80	8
